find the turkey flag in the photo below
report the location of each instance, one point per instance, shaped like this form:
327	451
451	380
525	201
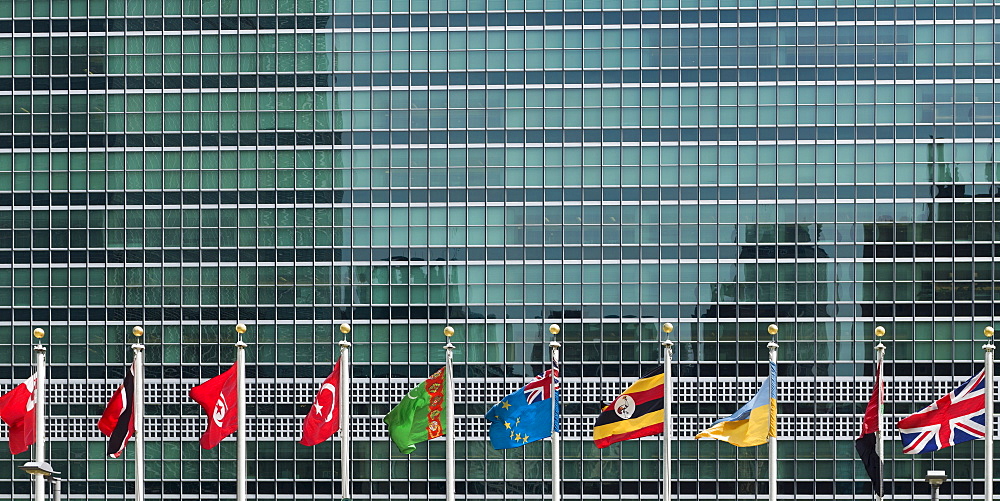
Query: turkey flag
323	419
118	420
218	397
17	409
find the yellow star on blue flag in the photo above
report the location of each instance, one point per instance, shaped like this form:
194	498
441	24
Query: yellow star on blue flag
529	414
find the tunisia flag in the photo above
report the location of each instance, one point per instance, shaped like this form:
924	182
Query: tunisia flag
218	397
323	419
17	409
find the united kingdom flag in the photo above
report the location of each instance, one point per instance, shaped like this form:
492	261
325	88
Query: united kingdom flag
541	387
957	417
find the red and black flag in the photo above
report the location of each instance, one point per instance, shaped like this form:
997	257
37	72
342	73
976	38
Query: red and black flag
118	420
636	413
871	431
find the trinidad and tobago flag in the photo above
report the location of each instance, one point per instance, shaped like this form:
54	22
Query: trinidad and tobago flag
118	420
867	443
636	413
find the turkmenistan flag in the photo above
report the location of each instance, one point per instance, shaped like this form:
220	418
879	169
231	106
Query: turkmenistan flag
420	416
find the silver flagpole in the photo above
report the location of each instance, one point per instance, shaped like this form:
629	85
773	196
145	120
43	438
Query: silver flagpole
449	406
772	442
668	403
138	386
556	473
39	414
344	402
880	434
988	362
241	415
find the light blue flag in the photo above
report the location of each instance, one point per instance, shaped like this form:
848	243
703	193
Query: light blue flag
527	414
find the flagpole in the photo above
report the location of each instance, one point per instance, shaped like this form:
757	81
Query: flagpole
345	414
138	383
39	413
880	433
988	362
449	406
772	441
241	415
668	417
556	473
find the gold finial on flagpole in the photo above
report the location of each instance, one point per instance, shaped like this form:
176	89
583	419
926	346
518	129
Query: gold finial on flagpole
38	333
988	331
345	329
241	329
137	331
772	329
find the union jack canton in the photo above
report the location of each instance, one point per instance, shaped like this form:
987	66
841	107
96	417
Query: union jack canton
541	387
957	417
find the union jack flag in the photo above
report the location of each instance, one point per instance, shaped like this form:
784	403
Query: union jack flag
957	417
541	387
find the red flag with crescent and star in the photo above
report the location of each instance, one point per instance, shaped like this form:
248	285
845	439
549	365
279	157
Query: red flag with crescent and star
323	419
218	397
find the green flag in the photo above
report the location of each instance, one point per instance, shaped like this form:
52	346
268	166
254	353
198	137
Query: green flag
420	416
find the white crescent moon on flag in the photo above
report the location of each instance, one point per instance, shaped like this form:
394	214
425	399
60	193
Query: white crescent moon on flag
333	400
221	407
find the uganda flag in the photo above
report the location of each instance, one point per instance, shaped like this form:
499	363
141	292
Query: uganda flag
636	413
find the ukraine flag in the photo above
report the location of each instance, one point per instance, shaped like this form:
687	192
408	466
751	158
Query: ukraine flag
755	421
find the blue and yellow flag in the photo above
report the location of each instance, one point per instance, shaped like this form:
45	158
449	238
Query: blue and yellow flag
528	414
755	421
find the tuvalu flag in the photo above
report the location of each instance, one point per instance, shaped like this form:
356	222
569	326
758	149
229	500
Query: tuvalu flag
118	421
527	415
636	413
755	421
323	419
218	397
420	416
17	409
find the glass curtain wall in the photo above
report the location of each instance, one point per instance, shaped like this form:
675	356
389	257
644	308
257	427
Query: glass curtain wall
497	167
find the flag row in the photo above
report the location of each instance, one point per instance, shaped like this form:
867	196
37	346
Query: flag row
519	418
529	414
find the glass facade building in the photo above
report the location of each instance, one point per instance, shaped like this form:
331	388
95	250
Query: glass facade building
497	166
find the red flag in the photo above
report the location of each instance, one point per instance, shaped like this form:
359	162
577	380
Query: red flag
323	419
17	409
218	397
118	420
